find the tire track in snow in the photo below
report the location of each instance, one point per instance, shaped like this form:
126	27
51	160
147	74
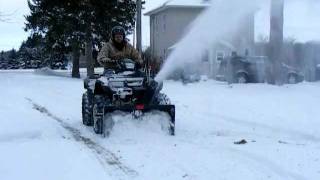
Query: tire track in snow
264	163
105	156
268	164
290	132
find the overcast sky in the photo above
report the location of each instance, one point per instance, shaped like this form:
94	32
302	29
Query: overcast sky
302	21
12	33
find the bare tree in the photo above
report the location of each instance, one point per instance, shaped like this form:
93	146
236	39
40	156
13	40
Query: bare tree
6	17
88	53
1	17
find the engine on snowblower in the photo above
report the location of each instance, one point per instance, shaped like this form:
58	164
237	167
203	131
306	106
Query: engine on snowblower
126	88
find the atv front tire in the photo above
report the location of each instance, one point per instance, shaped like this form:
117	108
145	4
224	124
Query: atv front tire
98	105
102	123
163	99
87	118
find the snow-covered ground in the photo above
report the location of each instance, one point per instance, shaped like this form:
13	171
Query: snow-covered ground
42	137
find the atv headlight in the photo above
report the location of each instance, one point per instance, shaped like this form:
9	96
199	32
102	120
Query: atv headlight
129	66
116	84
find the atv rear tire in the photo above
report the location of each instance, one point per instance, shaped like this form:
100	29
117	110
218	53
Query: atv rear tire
292	79
242	78
87	118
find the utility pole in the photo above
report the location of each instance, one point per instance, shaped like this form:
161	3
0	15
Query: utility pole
276	40
138	26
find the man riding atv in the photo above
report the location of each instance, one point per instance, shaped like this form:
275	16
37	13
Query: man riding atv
118	49
122	87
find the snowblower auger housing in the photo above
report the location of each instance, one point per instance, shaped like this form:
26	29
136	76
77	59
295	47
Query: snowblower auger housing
126	89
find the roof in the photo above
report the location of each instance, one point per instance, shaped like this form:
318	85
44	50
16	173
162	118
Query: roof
179	4
224	43
186	2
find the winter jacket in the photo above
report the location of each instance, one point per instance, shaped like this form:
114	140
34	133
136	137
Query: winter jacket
109	53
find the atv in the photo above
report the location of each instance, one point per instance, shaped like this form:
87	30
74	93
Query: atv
125	88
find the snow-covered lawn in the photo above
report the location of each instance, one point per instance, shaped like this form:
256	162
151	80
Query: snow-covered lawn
42	137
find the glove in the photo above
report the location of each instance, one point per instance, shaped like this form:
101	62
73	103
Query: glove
118	56
107	60
140	64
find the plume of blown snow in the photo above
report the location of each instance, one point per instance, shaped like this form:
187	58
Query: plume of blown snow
219	21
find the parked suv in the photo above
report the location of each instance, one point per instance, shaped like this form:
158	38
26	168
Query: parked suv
292	75
318	72
242	69
252	69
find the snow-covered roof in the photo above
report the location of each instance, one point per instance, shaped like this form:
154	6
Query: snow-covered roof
186	2
179	4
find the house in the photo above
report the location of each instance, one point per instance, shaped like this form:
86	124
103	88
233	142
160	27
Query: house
169	22
311	61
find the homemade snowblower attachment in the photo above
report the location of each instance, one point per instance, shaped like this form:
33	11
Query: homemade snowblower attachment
126	89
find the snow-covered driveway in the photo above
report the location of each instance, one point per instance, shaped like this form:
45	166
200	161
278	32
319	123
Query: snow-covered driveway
42	137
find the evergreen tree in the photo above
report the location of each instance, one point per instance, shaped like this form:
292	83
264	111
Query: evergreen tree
12	54
2	55
2	60
57	20
79	24
32	52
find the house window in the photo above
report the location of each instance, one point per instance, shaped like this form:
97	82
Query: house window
164	22
157	25
219	56
205	56
157	22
